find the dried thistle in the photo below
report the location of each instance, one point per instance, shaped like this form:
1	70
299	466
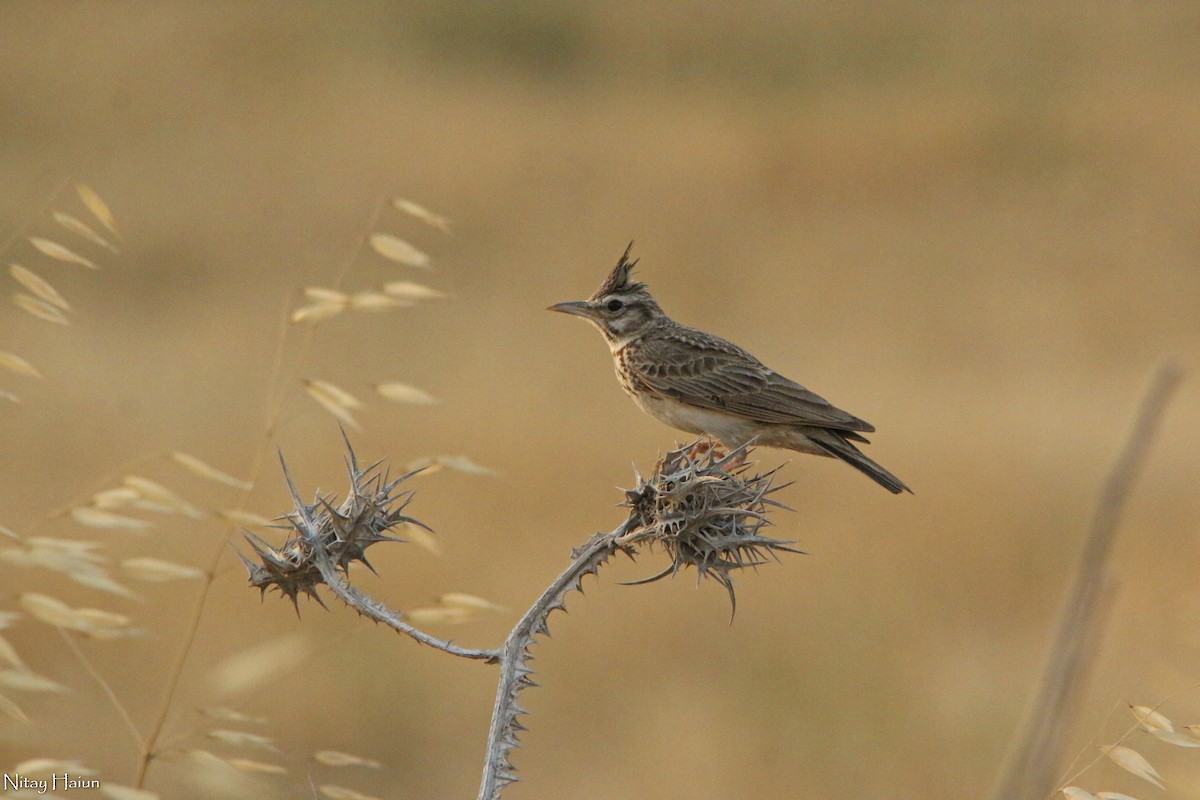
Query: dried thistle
326	540
341	534
705	510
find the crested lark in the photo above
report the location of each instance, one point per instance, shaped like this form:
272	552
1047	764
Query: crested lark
700	383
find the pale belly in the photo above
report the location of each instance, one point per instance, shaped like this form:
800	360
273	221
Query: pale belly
730	429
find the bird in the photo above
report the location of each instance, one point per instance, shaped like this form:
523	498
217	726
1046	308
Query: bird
700	383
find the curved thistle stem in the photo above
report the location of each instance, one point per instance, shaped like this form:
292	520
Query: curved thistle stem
515	671
378	612
359	523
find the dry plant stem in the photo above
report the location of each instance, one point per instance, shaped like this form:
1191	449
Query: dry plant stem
514	656
146	745
104	687
192	630
309	331
380	613
1032	764
1072	774
185	648
275	404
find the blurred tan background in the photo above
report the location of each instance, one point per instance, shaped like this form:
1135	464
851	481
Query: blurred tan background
974	226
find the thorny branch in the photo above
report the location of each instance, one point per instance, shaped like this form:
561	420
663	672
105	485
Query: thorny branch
498	770
700	508
330	539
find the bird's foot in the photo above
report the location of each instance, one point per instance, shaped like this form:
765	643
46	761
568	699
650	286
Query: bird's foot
703	448
738	459
716	451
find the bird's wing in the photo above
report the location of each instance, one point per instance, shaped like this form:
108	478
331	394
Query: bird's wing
704	370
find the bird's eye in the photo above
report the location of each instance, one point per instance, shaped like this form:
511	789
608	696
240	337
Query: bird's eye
615	305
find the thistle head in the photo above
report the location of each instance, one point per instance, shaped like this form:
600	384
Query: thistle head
341	532
705	513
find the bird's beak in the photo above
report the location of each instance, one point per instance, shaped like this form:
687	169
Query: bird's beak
578	308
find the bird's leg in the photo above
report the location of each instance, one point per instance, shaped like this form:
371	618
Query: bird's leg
703	448
715	450
738	458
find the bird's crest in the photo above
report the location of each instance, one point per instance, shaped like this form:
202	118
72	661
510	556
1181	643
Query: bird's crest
618	279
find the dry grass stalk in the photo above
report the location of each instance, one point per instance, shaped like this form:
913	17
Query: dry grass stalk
1032	764
81	561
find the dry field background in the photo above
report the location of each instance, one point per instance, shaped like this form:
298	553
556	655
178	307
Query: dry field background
975	226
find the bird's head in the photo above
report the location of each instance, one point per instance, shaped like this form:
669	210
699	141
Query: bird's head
621	308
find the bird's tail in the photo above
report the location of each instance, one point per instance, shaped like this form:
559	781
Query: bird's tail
834	443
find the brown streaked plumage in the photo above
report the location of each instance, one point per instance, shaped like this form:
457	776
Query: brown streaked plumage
703	384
